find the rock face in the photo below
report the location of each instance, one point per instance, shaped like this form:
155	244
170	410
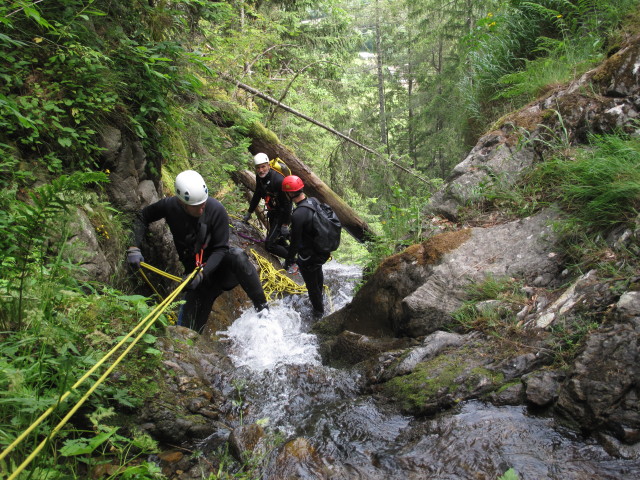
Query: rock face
602	392
414	294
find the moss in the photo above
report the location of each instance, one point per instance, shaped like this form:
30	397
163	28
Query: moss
479	372
440	381
428	252
428	379
508	385
258	131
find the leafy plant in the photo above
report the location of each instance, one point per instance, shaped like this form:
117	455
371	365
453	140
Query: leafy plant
510	474
600	186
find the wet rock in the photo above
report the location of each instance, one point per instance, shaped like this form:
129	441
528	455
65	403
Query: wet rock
298	460
350	348
432	345
602	391
443	381
541	388
245	441
510	394
525	363
618	449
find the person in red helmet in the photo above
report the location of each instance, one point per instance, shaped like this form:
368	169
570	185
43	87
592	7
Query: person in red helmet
301	244
199	226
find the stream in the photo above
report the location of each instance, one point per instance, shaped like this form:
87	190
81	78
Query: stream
286	386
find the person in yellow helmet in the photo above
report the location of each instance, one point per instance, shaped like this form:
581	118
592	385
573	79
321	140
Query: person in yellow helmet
278	205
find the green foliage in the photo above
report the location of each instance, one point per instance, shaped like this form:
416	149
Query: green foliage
527	46
400	221
600	186
504	298
28	226
41	362
569	336
510	474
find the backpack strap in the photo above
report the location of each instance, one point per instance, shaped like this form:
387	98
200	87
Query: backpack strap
310	204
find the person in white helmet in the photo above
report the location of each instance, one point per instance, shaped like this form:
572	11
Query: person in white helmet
278	205
199	225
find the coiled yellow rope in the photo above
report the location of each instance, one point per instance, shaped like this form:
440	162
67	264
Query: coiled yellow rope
274	281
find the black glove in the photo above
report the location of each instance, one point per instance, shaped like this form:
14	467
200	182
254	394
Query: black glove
195	281
246	217
134	257
284	231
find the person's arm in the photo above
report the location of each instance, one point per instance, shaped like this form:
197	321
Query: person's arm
152	213
257	196
218	227
146	216
297	223
285	206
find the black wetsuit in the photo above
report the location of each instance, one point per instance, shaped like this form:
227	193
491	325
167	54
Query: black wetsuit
309	261
278	209
224	267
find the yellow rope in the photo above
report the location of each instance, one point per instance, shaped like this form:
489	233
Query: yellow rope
154	315
172	316
160	272
274	281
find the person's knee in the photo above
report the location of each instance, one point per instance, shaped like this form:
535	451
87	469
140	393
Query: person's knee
240	262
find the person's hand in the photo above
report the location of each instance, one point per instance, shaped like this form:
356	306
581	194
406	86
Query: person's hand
134	257
285	231
246	217
195	281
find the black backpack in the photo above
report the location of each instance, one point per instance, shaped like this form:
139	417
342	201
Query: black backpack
326	226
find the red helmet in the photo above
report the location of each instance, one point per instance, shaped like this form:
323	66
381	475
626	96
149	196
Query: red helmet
292	184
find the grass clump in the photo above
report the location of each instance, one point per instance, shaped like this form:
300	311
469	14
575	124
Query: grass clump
491	305
599	187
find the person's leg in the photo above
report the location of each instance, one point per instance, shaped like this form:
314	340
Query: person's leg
236	268
195	311
273	243
314	281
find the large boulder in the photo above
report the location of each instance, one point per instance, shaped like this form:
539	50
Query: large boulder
415	292
602	393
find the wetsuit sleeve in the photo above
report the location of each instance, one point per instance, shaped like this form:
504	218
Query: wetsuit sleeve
298	219
257	196
218	226
152	213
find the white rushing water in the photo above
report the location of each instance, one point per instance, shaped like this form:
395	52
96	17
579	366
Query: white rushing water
280	336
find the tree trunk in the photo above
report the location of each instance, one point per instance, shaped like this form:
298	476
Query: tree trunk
314	187
384	139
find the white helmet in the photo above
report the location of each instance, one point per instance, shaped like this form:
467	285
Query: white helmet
260	158
190	188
